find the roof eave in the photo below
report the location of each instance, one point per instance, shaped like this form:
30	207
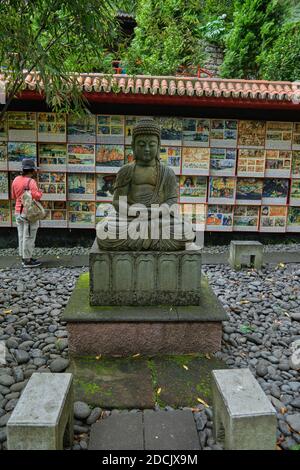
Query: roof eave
174	100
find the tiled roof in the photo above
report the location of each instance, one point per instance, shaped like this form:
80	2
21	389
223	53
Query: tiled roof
182	86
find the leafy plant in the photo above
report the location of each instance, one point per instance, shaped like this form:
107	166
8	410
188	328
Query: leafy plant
264	40
53	38
166	37
245	329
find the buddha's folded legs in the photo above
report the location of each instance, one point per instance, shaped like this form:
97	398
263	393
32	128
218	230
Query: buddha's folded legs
116	233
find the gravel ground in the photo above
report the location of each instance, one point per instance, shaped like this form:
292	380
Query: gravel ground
80	250
264	311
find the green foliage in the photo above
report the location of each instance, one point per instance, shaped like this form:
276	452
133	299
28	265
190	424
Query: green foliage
282	61
54	37
166	37
215	30
217	20
264	41
256	25
212	9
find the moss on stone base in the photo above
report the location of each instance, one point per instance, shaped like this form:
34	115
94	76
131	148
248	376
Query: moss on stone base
83	281
140	382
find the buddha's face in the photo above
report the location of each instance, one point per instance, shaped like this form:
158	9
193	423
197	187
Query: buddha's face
145	148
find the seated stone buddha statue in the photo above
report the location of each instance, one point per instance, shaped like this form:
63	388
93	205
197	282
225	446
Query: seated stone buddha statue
145	213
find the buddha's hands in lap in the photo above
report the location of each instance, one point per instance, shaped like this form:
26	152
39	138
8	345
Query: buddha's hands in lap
156	211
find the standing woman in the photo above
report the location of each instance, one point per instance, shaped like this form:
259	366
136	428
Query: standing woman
26	230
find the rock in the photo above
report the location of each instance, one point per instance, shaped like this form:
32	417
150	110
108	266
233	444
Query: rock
295	316
6	380
4	390
261	369
294	421
284	366
81	410
18	374
39	361
273	360
11	343
275	391
59	365
18	387
83	445
203	438
36	353
277	403
61	344
283	427
294	386
254	339
52	328
80	429
288	443
10	405
95	415
22	357
4	419
3	435
296	402
201	420
209	413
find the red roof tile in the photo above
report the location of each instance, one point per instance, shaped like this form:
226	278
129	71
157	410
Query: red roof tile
180	86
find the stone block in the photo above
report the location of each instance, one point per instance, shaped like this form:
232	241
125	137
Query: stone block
43	416
243	416
144	277
170	430
123	431
248	253
153	330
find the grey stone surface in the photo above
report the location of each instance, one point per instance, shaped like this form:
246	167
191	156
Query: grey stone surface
244	252
209	309
81	410
22	356
145	277
294	421
118	432
242	411
172	430
94	416
59	365
43	413
6	380
155	430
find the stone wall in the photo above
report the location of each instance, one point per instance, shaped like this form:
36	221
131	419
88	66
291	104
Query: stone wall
214	57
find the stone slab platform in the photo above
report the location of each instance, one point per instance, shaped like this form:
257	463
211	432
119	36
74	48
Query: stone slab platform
141	381
144	277
288	257
148	430
150	330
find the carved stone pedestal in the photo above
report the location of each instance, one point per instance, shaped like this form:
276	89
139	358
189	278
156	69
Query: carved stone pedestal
144	277
146	302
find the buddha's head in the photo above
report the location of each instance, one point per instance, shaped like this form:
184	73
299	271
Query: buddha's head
146	141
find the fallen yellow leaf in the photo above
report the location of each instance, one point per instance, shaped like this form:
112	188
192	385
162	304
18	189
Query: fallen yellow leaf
207	356
158	391
98	357
203	402
245	302
7	311
136	355
185	367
